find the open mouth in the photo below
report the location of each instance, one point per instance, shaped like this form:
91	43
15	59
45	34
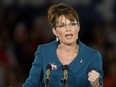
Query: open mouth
69	36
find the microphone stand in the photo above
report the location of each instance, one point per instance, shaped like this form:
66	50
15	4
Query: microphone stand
48	68
65	75
64	83
47	83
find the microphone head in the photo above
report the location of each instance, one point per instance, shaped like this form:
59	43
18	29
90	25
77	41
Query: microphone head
48	67
65	67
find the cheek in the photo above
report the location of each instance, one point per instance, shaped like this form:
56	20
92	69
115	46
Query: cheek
60	33
76	31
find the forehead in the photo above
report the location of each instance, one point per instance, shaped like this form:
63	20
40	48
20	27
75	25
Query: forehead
64	19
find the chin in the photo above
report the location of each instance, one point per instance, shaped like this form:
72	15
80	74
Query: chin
70	42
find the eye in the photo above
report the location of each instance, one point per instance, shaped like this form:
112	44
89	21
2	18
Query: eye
73	24
60	26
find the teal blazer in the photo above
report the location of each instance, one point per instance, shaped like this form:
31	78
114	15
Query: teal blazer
87	59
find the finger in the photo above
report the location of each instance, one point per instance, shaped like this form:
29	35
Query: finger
93	73
93	76
91	79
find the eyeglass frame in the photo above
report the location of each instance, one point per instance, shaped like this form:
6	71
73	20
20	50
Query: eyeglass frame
72	24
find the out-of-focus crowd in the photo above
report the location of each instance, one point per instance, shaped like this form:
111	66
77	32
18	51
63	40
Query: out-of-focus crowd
23	28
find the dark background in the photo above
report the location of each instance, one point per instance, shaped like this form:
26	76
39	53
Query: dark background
24	26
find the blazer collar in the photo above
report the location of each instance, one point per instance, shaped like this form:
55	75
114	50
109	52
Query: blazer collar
80	61
77	64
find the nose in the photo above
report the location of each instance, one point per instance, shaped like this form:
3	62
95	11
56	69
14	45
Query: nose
68	28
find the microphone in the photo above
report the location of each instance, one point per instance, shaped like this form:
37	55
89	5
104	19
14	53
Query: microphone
65	75
48	69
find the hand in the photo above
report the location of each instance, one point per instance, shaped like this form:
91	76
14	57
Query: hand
93	77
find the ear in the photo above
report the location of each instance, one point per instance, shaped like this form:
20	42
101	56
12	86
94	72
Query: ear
54	31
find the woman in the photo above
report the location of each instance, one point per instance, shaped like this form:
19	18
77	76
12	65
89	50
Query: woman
84	64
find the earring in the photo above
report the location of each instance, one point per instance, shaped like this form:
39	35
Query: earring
57	39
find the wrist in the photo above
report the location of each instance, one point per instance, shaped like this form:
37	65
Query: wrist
96	84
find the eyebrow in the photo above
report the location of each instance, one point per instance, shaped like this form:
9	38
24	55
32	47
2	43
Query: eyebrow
68	23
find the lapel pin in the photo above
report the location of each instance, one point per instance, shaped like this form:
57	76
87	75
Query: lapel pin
81	61
54	67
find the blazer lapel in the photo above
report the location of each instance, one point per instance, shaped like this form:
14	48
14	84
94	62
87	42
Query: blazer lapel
80	61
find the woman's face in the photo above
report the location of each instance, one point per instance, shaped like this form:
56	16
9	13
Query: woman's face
66	30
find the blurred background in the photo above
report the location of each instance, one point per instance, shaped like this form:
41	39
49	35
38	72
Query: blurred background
24	26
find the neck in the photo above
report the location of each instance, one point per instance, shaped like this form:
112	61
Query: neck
68	48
